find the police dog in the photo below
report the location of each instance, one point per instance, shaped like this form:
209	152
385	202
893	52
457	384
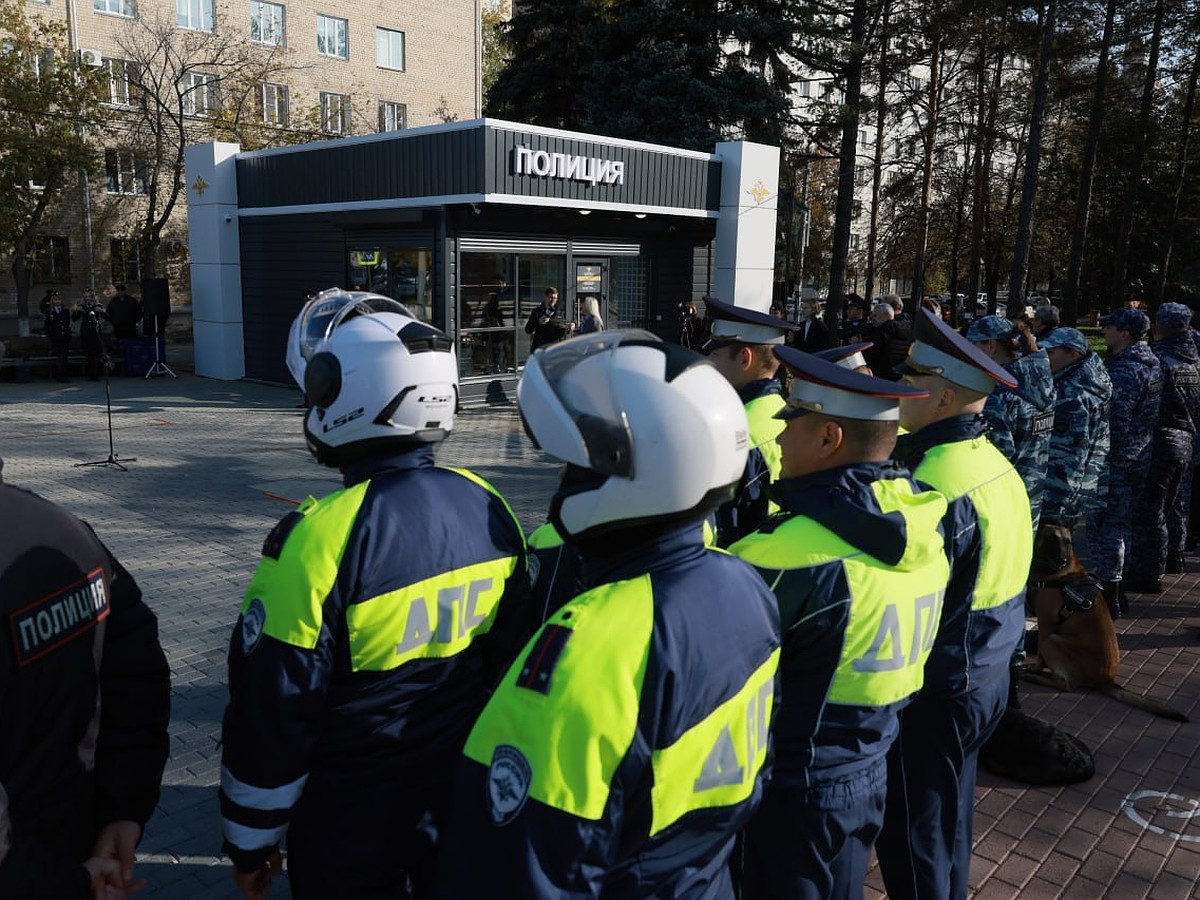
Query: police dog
1077	644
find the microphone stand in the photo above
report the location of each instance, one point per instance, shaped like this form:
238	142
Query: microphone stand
112	460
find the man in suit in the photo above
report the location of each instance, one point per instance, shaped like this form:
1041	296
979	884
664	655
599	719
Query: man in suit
813	335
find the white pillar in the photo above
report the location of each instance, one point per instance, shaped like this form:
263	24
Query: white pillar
215	251
745	265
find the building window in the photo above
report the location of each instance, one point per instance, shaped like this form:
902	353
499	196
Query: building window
335	113
121	74
198	94
49	260
194	14
126	260
125	171
389	49
392	116
266	23
853	241
275	104
857	209
116	7
332	37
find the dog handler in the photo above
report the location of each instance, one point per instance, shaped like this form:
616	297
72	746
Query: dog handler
925	848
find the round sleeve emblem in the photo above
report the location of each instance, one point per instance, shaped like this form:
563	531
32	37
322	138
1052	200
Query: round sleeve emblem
253	620
508	781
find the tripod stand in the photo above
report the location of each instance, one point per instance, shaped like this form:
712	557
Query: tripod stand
159	367
112	460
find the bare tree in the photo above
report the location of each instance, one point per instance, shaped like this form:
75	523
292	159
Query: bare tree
49	108
1033	155
186	87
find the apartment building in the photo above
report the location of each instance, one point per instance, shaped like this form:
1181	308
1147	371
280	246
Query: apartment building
284	72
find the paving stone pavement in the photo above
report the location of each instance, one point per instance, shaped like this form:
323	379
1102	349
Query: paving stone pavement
217	464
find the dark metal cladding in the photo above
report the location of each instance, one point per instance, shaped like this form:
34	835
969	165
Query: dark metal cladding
473	161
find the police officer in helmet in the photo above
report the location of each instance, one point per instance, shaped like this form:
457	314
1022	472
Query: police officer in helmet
856	562
377	619
627	744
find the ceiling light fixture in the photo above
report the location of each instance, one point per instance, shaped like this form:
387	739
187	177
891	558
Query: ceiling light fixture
585	212
639	215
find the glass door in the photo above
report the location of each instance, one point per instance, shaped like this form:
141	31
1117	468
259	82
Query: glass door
591	284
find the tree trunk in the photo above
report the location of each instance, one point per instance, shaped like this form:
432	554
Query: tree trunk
1070	310
935	69
21	276
1181	164
1125	232
847	156
985	128
877	163
1033	157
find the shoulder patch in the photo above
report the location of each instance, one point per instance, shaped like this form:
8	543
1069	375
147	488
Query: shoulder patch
254	620
58	618
539	664
509	777
273	545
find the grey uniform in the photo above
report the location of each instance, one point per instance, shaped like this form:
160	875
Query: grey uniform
1076	479
1157	529
1133	414
1020	421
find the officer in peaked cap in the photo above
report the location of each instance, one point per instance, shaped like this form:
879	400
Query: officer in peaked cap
740	347
925	846
853	525
939	350
848	357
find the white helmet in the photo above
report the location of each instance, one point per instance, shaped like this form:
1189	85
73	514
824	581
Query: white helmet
321	315
379	380
661	433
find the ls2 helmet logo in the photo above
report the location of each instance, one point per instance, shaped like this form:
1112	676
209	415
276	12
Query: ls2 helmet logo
507	783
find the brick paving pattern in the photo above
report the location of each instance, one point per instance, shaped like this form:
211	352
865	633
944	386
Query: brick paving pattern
217	463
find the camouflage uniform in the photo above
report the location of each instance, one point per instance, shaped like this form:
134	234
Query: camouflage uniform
1077	476
1021	420
1157	529
1137	389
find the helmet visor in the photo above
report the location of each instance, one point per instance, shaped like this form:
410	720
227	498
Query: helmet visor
321	316
567	402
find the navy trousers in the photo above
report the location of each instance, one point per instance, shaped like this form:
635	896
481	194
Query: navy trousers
814	843
924	849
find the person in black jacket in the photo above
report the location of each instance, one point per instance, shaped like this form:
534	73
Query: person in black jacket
125	313
58	331
90	317
891	338
546	323
84	705
813	336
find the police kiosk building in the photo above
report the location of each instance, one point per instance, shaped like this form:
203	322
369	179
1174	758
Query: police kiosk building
468	224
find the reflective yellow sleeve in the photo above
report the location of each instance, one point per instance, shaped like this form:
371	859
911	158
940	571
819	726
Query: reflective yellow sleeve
575	725
294	587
